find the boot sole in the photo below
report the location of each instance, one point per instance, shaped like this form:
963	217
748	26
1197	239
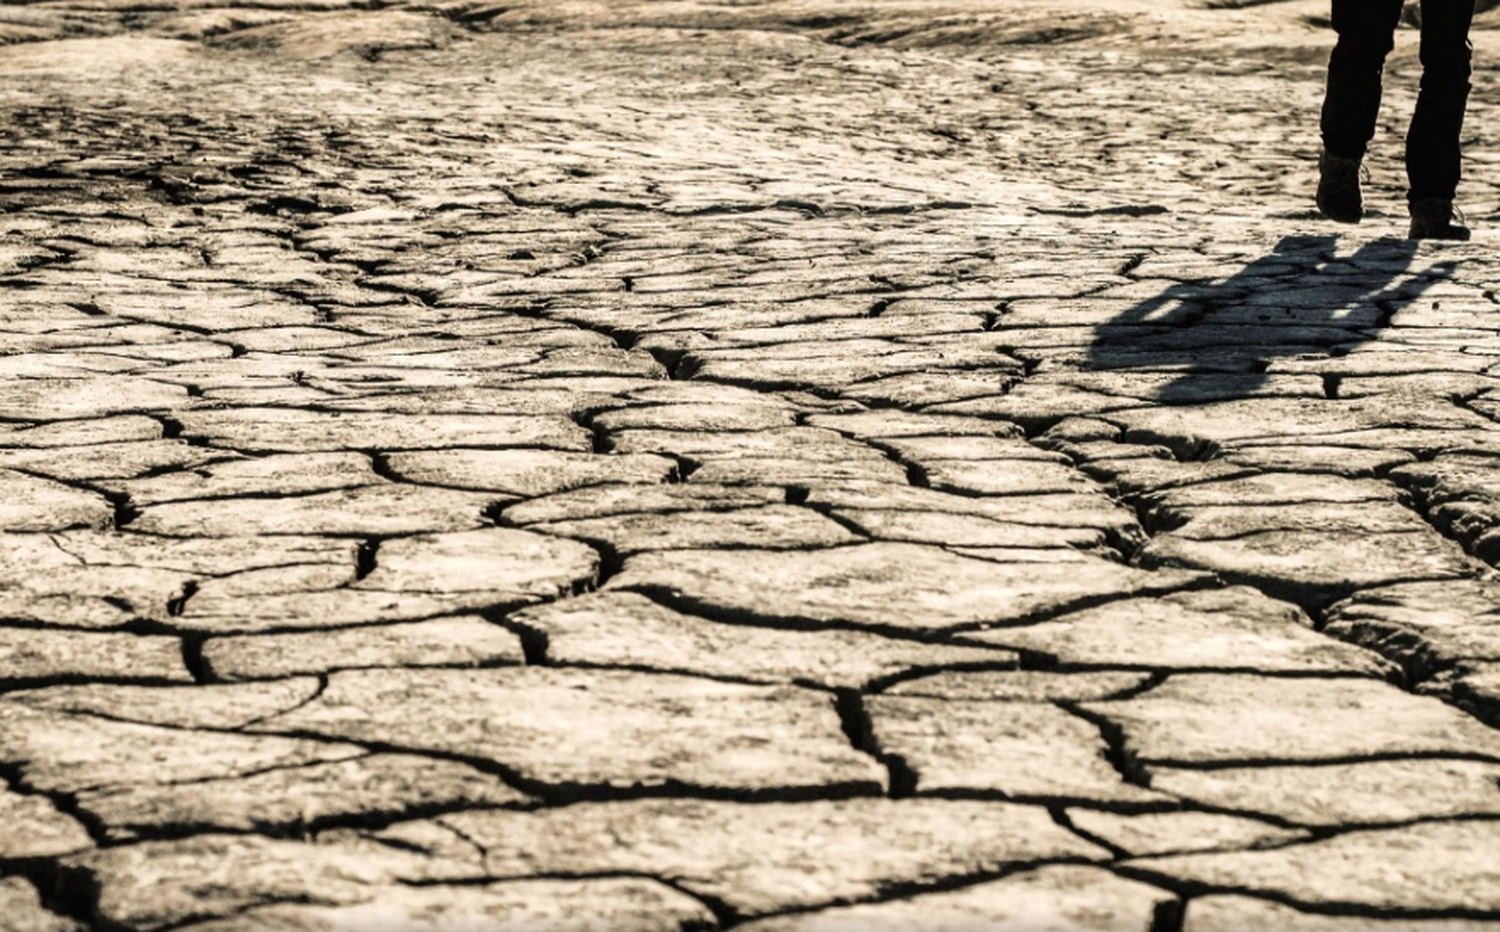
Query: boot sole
1340	212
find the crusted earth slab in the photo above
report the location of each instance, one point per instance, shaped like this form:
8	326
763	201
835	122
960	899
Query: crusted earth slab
1148	833
770	857
500	563
806	444
1063	896
1350	462
897	586
296	799
28	654
1013	749
1240	718
744	414
86	396
107	464
968	448
466	640
1332	795
1267	489
867	425
327	608
1427	627
1138	471
1228	628
155	885
1218	523
625	629
599	501
62	575
597	731
794	470
413	577
91	431
1073	510
292	430
1431	866
34	504
210	706
1005	477
1462	495
1278	420
1311	554
1232	913
526	472
59	752
770	527
962	531
371	510
275	475
1022	685
624	904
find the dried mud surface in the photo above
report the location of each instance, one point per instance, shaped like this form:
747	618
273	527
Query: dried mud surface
706	465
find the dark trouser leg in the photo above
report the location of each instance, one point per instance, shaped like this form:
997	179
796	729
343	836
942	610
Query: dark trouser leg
1432	143
1366	31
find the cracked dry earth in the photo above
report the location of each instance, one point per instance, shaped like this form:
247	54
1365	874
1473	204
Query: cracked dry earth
785	466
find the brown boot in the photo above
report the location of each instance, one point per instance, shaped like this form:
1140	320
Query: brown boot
1339	197
1436	218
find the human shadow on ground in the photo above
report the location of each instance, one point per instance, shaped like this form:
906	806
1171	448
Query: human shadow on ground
1221	339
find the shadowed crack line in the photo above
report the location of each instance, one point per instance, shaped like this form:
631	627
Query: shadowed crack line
317	693
366	558
534	640
678	601
70	892
125	510
1117	749
9	684
299	828
14	774
1060	815
192	658
1168	916
1082	603
1000	664
460	834
218	628
1173	803
854	717
668	670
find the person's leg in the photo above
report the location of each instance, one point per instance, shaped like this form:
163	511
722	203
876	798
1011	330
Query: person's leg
1366	34
1432	143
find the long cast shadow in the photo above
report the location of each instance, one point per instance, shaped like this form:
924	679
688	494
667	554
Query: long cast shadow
1301	298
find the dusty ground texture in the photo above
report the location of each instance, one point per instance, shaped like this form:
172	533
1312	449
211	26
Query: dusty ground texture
782	465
